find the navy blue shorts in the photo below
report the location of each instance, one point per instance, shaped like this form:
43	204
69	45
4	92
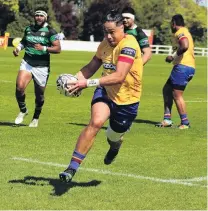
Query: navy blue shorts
121	116
180	76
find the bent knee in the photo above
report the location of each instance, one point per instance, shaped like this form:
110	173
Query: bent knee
96	124
177	94
20	88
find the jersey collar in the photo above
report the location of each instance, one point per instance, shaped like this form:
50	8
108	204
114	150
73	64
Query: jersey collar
134	26
45	24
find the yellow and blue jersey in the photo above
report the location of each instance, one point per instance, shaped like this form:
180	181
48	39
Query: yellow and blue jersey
186	58
127	50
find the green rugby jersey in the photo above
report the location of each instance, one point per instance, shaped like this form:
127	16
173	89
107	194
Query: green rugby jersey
140	36
36	35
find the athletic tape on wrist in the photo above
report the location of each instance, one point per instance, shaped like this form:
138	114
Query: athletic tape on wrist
44	48
20	47
175	55
93	82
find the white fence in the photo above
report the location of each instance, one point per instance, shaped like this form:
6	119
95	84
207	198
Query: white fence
69	45
165	49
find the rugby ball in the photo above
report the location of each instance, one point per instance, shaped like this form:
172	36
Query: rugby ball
62	86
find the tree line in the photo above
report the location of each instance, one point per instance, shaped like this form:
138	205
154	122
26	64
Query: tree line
79	19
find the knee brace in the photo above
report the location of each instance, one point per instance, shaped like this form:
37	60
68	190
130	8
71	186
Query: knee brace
112	135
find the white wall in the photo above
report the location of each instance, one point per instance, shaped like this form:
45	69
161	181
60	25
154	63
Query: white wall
70	45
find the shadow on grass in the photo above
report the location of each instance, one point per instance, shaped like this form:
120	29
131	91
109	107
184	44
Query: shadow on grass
59	188
12	124
145	121
80	124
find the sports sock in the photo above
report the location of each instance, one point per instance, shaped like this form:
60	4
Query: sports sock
115	145
21	101
38	109
184	119
167	116
76	160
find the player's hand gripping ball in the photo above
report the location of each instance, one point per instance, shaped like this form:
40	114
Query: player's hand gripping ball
62	86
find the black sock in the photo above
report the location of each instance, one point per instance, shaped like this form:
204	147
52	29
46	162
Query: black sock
21	101
115	145
38	109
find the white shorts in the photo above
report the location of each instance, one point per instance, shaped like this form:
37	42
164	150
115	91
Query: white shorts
40	74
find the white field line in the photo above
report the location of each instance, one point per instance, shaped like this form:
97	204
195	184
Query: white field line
5	81
188	182
196	101
158	95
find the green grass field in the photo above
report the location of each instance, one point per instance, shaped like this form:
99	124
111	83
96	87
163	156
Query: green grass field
157	168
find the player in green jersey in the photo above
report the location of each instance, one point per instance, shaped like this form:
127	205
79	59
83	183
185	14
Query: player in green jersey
131	28
39	41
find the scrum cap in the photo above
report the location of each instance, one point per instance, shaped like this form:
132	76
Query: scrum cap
41	12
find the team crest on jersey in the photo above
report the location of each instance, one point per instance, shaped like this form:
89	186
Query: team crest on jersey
109	66
144	42
128	51
42	34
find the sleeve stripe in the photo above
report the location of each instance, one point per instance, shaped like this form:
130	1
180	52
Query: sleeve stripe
181	38
125	59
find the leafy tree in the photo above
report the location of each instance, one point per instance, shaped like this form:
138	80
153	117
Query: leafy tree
194	15
66	17
16	28
156	15
93	17
8	9
28	8
13	5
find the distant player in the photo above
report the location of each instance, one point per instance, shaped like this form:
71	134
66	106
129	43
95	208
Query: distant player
117	94
131	28
39	41
182	72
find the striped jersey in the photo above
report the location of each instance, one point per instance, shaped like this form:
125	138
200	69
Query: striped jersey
38	35
127	50
140	36
186	58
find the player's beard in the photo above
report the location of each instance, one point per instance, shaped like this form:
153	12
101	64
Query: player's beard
126	26
39	23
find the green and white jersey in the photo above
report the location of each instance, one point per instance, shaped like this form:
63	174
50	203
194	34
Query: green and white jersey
140	36
38	35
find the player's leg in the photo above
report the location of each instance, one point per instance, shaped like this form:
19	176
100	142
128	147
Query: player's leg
186	74
120	121
181	107
40	78
168	103
100	112
39	101
23	78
